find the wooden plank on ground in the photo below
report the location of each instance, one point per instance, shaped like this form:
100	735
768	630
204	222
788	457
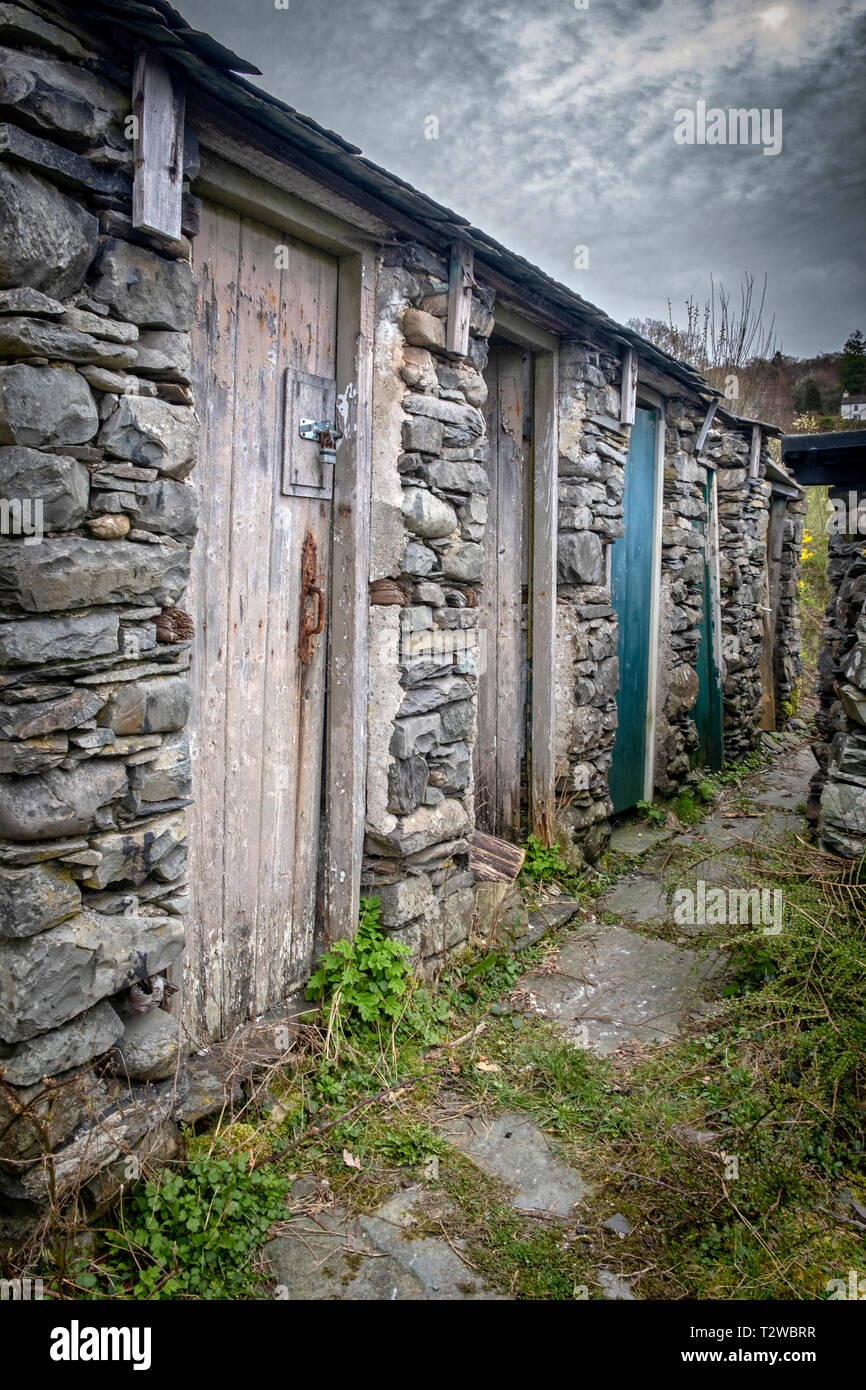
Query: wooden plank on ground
493	860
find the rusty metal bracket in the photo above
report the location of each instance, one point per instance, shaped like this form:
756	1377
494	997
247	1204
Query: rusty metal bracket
308	628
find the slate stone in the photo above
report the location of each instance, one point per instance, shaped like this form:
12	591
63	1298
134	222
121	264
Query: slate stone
458	477
60	801
21	27
36	641
32	755
144	288
28	301
401	902
407	783
152	706
47	241
36	897
427	515
36	1118
73	1044
151	1047
580	558
422	435
464	561
62	484
168	508
617	987
32	718
450	766
61	98
154	433
46	980
422	698
456	720
32	337
375	1258
74	571
130	856
168	777
428	825
100	326
164	355
512	1148
462	424
45	405
417	734
419	559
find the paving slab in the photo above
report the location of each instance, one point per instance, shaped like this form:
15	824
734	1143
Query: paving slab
617	987
637	898
637	840
614	1287
542	919
512	1148
328	1255
786	784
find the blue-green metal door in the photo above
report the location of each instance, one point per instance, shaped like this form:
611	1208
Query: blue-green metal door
631	594
707	713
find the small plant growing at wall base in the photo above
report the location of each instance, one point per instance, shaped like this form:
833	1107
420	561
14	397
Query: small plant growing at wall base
654	815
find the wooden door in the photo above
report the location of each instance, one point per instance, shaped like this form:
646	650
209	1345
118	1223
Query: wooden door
500	750
708	710
631	595
264	337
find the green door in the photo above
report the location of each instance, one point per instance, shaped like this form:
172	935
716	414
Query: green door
707	712
631	583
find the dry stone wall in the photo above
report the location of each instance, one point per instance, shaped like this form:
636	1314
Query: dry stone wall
97	442
841	719
593	447
429	507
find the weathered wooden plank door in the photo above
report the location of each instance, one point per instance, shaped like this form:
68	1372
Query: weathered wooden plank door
708	708
266	322
500	750
631	583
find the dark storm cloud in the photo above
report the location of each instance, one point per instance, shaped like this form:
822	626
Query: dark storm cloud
556	130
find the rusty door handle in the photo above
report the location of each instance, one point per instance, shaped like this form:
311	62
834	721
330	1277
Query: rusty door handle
321	619
307	629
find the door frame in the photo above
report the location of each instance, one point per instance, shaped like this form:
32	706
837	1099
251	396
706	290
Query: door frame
510	323
651	400
223	178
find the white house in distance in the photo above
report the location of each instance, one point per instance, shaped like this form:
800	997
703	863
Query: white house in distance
853	407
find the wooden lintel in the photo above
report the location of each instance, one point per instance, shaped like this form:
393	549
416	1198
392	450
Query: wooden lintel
459	299
705	427
158	109
755	459
629	386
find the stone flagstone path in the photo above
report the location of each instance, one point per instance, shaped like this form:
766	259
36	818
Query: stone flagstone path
609	986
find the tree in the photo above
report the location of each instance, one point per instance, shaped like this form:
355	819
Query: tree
852	368
808	399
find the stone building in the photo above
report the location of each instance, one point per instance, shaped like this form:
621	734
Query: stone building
838	791
333	531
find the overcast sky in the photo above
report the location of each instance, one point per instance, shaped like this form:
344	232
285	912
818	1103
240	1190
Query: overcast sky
556	130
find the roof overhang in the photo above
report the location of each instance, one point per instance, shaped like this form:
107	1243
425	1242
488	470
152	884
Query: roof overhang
827	460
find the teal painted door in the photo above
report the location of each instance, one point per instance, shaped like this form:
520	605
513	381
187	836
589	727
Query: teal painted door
631	582
707	712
